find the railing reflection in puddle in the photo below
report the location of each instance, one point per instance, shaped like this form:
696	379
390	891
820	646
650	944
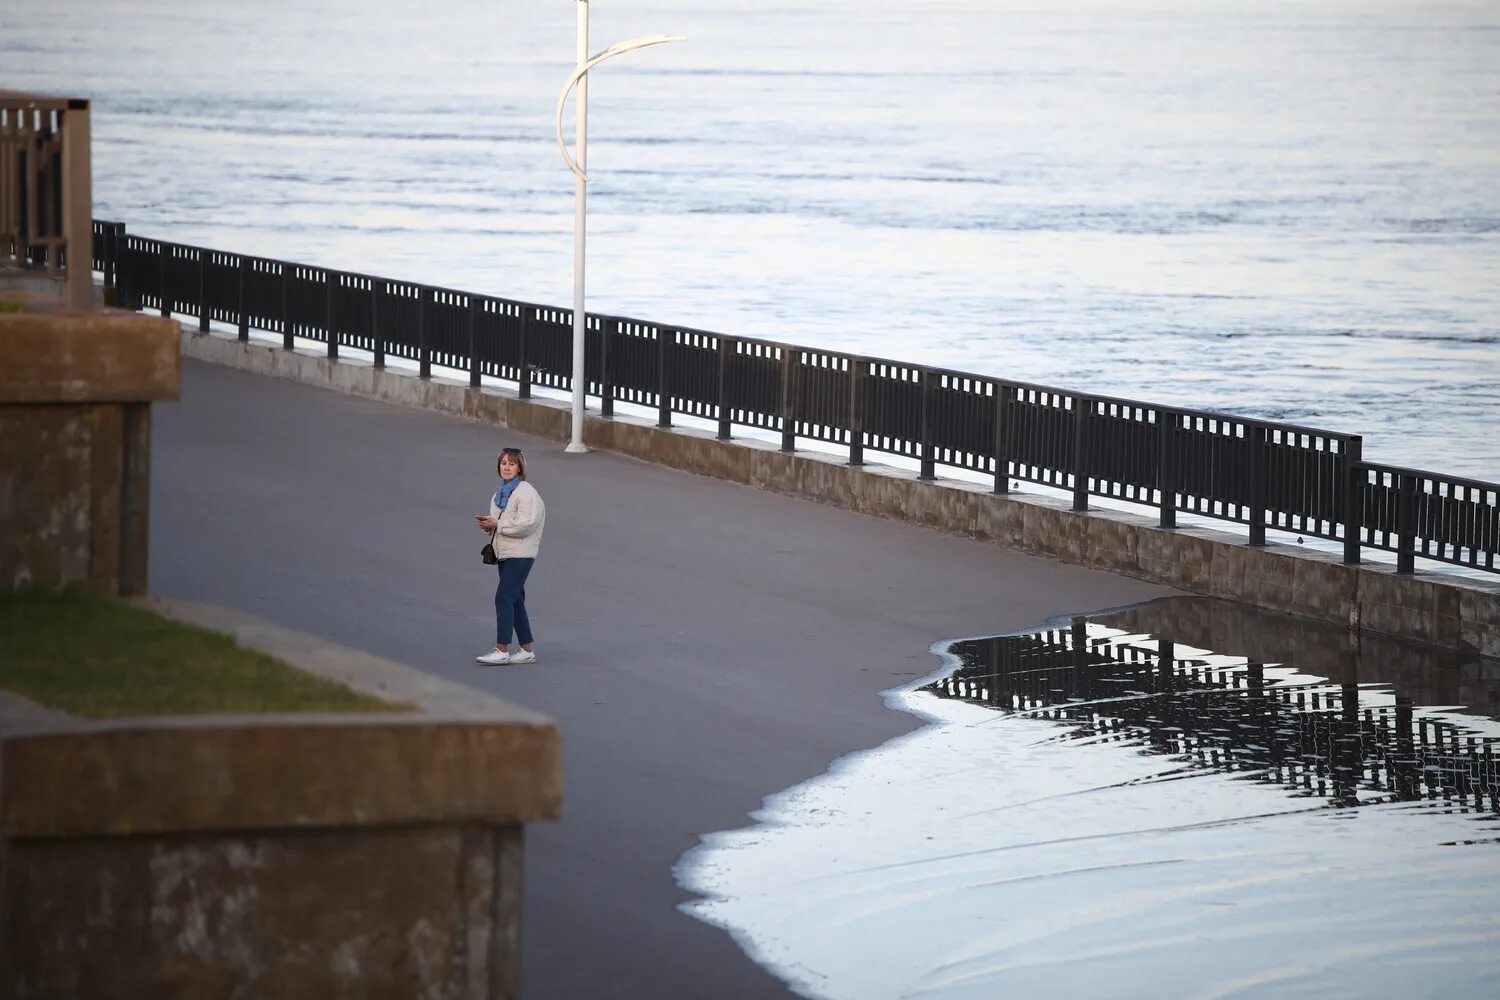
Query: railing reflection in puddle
1356	720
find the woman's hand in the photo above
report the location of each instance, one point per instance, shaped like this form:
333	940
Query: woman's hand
486	523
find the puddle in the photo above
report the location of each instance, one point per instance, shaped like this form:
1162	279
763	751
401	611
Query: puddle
1188	798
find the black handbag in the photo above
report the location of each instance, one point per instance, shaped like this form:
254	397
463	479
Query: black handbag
487	554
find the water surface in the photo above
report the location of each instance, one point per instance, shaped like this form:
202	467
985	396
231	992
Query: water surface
1280	209
1186	799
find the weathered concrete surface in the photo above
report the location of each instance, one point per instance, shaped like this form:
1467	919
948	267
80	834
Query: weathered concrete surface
75	392
113	357
1455	612
156	777
277	855
377	912
702	644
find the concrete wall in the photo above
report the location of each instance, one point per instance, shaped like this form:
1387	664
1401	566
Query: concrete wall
1459	613
272	856
75	433
383	912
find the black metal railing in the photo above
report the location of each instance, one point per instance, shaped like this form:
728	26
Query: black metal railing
1412	513
1258	473
1340	740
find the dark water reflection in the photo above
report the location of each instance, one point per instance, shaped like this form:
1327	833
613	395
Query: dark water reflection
1315	709
1187	798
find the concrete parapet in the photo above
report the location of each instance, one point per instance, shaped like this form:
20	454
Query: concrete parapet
113	357
1452	611
279	855
75	433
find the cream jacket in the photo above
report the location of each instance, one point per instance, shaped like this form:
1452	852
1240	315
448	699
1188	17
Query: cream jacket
519	533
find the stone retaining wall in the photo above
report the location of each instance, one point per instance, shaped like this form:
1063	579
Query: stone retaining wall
75	443
289	856
1451	611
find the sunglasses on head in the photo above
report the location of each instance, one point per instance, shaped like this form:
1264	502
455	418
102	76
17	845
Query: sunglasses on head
510	451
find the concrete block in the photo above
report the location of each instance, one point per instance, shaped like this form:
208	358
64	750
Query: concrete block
87	358
1000	519
1324	588
1479	618
1181	558
178	776
46	515
389	912
1113	543
1043	531
1230	570
1414	606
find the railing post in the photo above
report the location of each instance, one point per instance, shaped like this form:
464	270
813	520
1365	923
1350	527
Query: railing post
929	460
473	341
859	373
1081	407
164	252
608	327
523	369
789	359
664	338
424	355
726	348
1406	525
330	319
1353	479
286	305
117	250
1003	395
1166	469
242	317
377	289
111	235
1259	446
202	290
125	293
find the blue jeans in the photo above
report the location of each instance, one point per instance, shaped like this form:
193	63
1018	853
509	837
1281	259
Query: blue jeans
510	602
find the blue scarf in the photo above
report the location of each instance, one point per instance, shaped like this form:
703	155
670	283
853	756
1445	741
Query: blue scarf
502	495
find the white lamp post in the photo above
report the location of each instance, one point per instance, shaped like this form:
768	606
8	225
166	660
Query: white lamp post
580	192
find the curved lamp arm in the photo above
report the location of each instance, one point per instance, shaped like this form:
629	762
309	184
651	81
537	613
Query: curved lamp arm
609	53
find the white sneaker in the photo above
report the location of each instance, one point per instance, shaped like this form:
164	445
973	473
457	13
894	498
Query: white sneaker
523	656
494	657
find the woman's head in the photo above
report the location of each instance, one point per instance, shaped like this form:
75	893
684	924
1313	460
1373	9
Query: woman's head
511	464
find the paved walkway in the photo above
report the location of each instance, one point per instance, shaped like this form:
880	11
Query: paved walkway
702	644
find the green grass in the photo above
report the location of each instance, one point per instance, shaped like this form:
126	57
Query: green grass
11	306
102	658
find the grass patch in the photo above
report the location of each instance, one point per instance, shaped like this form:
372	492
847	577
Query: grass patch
102	658
11	306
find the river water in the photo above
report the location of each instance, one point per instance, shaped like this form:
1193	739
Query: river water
1286	210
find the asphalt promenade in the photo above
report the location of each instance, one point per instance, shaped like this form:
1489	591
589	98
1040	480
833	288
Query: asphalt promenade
702	644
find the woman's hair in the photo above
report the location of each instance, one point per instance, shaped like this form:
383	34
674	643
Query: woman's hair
520	461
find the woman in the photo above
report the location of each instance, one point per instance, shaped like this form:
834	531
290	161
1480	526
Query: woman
515	526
